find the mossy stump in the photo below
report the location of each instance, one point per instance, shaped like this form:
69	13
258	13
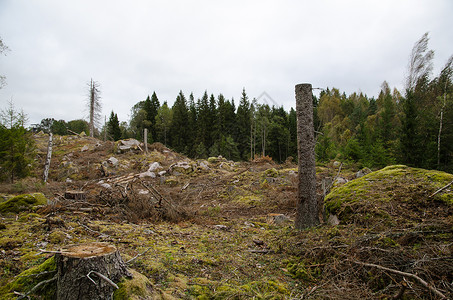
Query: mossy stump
89	271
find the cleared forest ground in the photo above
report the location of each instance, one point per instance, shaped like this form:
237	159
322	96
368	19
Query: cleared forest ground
214	229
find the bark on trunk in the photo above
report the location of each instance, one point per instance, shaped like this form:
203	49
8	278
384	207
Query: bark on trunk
89	271
307	204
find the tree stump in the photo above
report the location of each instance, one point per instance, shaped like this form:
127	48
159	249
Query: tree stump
89	271
75	195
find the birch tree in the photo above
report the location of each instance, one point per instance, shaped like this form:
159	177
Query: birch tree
446	72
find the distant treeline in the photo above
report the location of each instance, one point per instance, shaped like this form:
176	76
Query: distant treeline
372	132
414	128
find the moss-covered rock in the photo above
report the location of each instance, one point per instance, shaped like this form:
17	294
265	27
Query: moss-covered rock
23	202
394	192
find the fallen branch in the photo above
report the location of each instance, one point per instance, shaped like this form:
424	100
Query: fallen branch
73	132
137	256
405	274
37	286
441	189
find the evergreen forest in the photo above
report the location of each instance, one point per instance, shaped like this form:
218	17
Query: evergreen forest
394	128
412	127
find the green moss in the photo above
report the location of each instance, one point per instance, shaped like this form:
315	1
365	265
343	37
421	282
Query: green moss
138	287
57	237
447	198
213	160
171	181
271	172
10	242
22	203
29	217
298	270
261	289
26	280
388	242
248	200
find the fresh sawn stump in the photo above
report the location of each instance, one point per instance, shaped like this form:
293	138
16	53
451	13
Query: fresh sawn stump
89	271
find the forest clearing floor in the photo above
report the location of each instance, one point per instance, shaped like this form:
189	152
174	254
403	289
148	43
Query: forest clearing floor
216	229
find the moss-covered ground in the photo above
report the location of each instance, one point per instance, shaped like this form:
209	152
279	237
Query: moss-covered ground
226	246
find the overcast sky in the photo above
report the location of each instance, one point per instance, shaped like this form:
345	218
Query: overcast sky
133	48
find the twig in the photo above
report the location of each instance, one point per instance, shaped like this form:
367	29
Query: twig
260	251
413	276
441	189
94	231
49	251
102	277
37	286
20	294
137	256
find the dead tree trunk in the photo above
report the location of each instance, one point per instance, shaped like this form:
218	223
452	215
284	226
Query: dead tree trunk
307	204
89	271
48	158
145	139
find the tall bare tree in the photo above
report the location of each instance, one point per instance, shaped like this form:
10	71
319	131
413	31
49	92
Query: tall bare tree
94	105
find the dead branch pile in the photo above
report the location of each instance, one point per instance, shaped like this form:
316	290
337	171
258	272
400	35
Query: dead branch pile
128	197
137	199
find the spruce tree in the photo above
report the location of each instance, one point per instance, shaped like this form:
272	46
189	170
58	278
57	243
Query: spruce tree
178	127
192	126
243	126
203	121
113	127
16	145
